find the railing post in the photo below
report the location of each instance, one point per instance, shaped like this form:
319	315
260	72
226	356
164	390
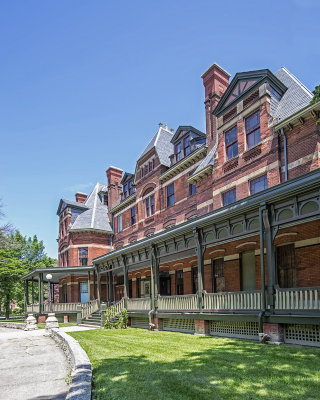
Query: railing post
200	249
79	314
99	285
89	294
40	282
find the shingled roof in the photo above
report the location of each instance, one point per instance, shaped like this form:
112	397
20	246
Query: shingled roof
163	146
96	216
294	99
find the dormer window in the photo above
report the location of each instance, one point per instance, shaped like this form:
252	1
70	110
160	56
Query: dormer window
178	152
128	189
186	146
105	199
182	149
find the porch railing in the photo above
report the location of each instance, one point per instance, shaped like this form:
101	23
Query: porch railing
60	307
250	300
187	302
119	305
33	308
297	299
89	308
143	304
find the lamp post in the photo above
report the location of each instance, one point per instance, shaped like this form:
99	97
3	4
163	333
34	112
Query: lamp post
49	277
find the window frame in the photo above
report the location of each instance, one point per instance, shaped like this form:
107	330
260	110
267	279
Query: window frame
149	205
170	196
230	145
80	257
252	131
186	139
224	203
256	181
179	282
119	223
133	215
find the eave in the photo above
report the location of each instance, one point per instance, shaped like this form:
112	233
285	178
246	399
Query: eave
202	174
311	111
184	163
124	203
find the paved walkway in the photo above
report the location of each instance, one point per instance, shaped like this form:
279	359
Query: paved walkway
32	366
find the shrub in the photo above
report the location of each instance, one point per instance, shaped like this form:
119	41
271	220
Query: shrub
114	319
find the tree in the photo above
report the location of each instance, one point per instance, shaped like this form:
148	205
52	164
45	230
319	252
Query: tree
18	256
316	98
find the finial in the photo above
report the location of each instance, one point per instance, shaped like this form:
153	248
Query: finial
160	124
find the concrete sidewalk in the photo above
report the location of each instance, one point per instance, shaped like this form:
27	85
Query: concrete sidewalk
32	366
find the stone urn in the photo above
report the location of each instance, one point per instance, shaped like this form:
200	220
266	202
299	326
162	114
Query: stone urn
51	322
31	323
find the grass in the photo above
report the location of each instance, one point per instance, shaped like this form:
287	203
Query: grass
137	364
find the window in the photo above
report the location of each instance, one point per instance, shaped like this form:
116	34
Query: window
258	184
146	169
178	152
229	197
149	206
170	195
194	276
120	280
125	190
218	275
192	188
286	266
231	140
141	172
83	256
133	215
119	221
179	282
253	129
186	146
105	199
130	188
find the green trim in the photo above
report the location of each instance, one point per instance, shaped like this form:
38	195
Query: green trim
123	203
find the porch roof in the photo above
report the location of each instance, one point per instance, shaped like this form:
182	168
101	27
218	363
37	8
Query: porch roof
57	272
275	193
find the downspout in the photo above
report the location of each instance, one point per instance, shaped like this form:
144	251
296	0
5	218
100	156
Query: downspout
263	283
285	154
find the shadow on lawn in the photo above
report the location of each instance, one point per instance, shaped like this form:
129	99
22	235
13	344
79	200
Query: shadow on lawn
232	370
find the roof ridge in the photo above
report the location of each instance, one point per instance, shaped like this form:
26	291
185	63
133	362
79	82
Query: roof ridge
297	81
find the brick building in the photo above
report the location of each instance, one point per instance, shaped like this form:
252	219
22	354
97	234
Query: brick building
191	222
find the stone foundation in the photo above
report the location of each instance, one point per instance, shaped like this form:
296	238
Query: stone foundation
275	331
202	327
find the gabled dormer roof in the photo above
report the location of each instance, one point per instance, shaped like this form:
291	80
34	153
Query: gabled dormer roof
73	204
243	84
126	177
161	142
183	131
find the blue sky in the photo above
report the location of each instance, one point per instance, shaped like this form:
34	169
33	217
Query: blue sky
84	84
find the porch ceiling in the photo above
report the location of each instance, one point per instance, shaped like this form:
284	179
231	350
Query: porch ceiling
58	272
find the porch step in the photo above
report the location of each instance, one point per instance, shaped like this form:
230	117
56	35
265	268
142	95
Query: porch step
93	320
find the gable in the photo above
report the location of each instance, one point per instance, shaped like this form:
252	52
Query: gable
183	131
243	84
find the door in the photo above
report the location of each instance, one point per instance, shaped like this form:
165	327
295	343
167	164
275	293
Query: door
248	271
84	293
286	266
165	284
218	275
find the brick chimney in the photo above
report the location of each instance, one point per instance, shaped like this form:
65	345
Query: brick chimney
81	197
215	82
114	176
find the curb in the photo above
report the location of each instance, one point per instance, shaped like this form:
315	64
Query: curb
15	325
81	376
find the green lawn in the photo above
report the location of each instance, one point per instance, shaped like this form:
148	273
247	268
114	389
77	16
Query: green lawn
138	364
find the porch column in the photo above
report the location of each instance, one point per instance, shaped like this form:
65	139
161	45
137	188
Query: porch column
155	266
40	282
262	269
126	280
32	293
94	285
89	297
270	259
27	291
110	284
99	285
197	233
25	296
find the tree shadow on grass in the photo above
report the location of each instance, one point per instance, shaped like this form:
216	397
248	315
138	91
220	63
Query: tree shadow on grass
230	370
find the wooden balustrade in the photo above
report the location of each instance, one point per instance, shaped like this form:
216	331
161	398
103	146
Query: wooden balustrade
188	302
143	304
60	307
297	299
250	300
33	308
89	308
119	305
